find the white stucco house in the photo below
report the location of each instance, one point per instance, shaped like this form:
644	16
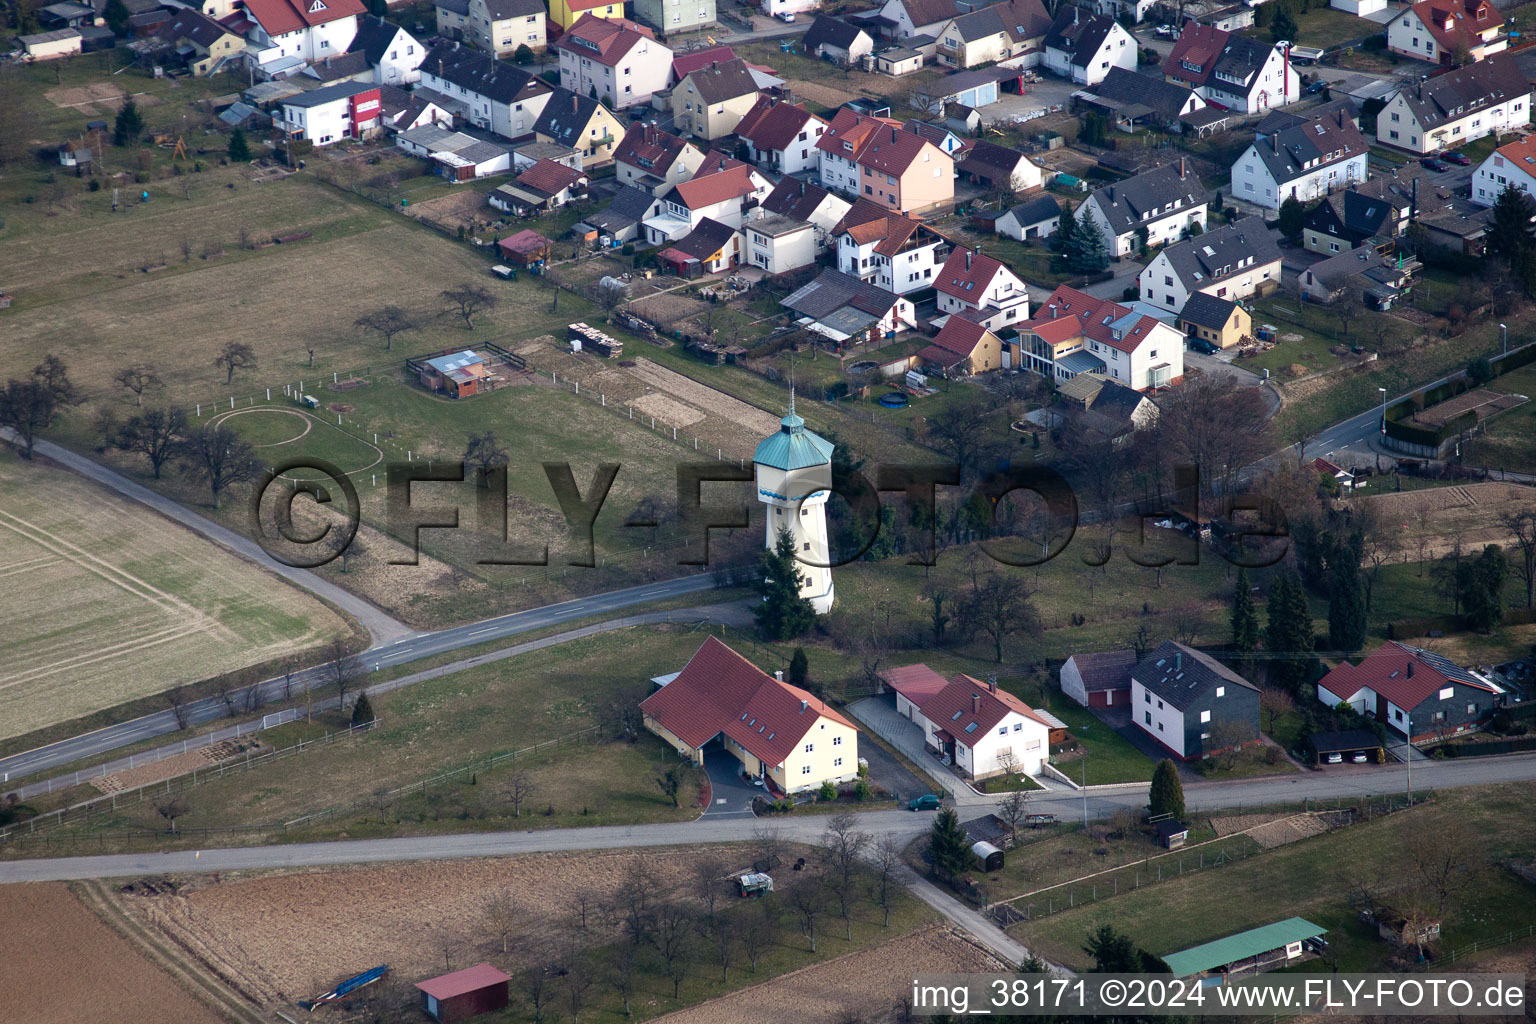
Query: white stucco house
1304	161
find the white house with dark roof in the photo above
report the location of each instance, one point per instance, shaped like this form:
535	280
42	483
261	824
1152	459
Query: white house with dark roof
487	92
1155	206
1014	31
393	53
834	39
1301	162
1230	262
807	201
1036	218
1489	97
840	307
1235	72
884	248
1082	47
779	244
1191	704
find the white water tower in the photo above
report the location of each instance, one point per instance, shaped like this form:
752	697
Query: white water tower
794	478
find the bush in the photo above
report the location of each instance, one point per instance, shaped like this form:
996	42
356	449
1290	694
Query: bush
628	249
1273	755
828	791
862	791
95	186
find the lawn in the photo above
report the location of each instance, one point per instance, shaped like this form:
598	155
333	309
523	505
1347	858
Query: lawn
1313	878
1108	757
1322	26
1510	440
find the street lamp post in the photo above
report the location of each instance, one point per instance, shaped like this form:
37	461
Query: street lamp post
1383	410
1085	788
1504	336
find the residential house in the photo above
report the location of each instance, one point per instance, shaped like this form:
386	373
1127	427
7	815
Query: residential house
1236	72
846	309
1101	679
937	134
486	92
972	280
873	158
458	157
581	123
346	110
1000	31
543	187
499	27
1136	10
724	196
997	167
1033	219
1447	31
402	111
618	59
710	248
348	67
1221	322
1230	262
781	734
66	15
1359	8
1352	218
984	731
394	55
1380	281
710	102
962	347
685	63
1461	106
836	40
208	45
774	8
1104	411
564	14
452	19
654	160
781	136
1414	692
1191	704
1130	99
282	35
1073	333
904	19
673	16
1512	165
1301	162
1082	47
1232	18
623	218
804	200
893	252
1152	208
779	244
1453	223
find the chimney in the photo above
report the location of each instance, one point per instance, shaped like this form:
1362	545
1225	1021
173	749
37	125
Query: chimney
1274	143
967	259
1052	308
778	674
991	684
327	61
1410	668
1181	167
975	703
1178	661
803	705
1111	195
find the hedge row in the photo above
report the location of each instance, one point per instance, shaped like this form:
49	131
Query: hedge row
1407	629
1402	410
1509	746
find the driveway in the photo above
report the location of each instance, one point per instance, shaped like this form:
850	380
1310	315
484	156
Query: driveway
1119	719
1126	272
885	770
730	794
879	714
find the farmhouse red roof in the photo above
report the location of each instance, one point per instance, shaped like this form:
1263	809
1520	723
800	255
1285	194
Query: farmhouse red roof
548	176
967	274
1404	675
774	124
470	979
719	691
1068	313
965	700
1199	46
960	335
709	189
868	221
684	64
282	16
915	682
1456	23
611	38
525	242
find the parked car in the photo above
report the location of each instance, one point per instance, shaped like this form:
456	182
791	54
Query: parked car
1203	346
1317	87
1359	757
1165	32
786	17
1459	158
926	802
1335	758
1434	163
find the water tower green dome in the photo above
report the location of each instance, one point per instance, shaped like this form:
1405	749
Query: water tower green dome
793	447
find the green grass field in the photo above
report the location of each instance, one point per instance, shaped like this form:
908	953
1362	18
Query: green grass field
1108	758
1510	441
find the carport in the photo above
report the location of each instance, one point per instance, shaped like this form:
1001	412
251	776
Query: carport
1346	744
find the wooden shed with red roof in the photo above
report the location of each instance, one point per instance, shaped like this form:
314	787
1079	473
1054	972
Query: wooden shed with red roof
464	994
780	734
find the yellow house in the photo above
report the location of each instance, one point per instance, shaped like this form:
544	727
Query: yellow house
776	732
210	42
1221	322
711	101
963	347
583	124
566	13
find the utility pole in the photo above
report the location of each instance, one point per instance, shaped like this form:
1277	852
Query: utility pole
1085	790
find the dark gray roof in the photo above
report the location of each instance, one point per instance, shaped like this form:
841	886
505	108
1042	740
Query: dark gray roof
1336	272
193	25
1117	401
1466	90
327	94
629	207
1079	34
1165	99
1105	670
1221	253
478	73
1131	203
1207	310
1303	148
373	37
566	116
832	290
1360	215
1021	19
989	157
795	198
832	32
1348	739
501	10
705	240
459	7
1036	210
341	67
1240	60
1182	675
962	81
723	80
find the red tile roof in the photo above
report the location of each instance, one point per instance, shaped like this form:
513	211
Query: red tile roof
915	682
965	700
868	221
709	189
1387	672
960	336
1068	313
649	143
967	274
525	243
470	979
1199	45
611	38
548	176
774	124
719	691
281	16
1456	23
876	142
686	63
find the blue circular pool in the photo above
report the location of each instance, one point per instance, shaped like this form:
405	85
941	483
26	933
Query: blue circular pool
894	400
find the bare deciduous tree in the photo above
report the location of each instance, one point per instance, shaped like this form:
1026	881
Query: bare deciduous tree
465	300
1012	810
710	881
138	379
844	844
887	862
220	457
171	807
1522	530
537	991
1275	702
233	357
757	930
807	898
632	902
673	934
178	698
725	944
386	322
518	788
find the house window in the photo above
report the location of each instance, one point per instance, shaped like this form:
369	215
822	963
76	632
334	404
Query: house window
1221	691
1147	697
1205	716
1148	716
1017	726
809	747
837	762
837	741
1003	731
805	769
1159	705
1159	726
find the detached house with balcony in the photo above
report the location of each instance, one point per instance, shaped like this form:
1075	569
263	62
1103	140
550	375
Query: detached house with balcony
1152	208
710	102
346	110
1002	31
486	92
883	248
781	137
983	730
805	201
580	123
1303	162
1192	704
654	160
971	282
1082	47
724	196
1073	333
283	35
1241	74
1231	262
619	60
1437	30
1353	218
1487	98
1414	692
872	158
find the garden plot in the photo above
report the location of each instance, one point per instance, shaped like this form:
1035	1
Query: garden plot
1470	512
